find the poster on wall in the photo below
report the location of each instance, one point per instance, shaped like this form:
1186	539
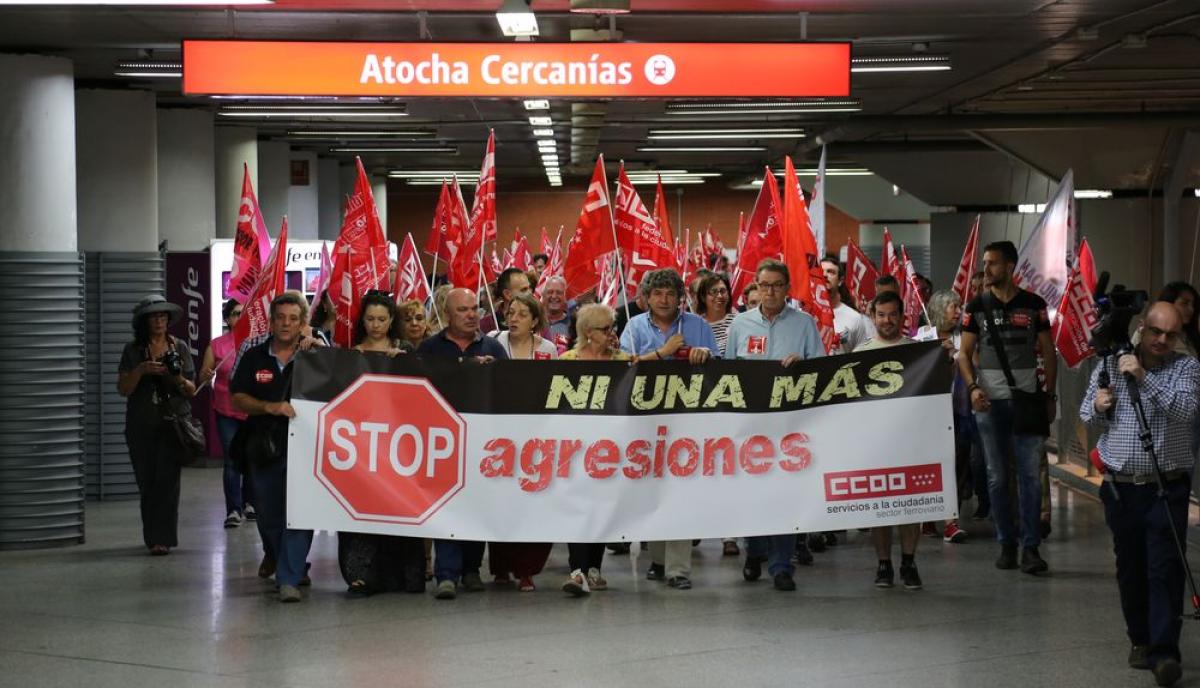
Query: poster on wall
188	281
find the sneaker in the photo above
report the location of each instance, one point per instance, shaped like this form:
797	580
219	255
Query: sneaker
656	572
784	582
472	582
445	590
526	585
1032	563
1167	672
804	556
909	577
953	533
289	593
233	520
1137	657
249	513
752	569
981	513
1007	558
730	548
576	584
885	577
928	529
679	583
595	581
816	542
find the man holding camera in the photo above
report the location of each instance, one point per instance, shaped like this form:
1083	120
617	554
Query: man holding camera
1009	325
1149	567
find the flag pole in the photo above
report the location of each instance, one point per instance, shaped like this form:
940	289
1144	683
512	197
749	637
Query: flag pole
617	246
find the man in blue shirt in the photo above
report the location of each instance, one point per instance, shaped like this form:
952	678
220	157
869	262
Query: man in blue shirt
462	340
665	332
1150	576
773	331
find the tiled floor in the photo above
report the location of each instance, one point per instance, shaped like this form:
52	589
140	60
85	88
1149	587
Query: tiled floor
105	614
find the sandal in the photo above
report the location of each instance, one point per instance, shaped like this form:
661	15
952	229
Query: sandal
358	588
159	551
731	548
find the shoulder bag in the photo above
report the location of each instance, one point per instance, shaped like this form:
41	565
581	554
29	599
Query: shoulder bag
1029	414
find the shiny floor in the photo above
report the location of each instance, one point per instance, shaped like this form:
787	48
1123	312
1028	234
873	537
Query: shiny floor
105	614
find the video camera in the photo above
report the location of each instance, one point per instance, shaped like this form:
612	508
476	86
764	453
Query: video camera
1116	309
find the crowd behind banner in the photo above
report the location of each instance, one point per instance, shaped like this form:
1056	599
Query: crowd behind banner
600	299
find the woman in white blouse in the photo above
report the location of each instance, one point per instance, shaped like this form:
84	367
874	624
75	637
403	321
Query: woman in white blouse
525	320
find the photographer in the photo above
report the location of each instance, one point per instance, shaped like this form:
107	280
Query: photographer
155	375
261	387
1150	574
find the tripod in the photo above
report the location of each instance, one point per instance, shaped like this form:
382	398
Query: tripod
1147	440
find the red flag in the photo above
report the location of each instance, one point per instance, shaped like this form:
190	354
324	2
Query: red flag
891	264
465	270
593	235
662	220
763	238
609	289
441	236
644	246
256	312
411	282
554	263
496	265
860	274
360	258
966	266
1077	318
323	275
521	257
911	293
809	286
251	244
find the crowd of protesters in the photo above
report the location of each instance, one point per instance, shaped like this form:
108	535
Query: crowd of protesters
1004	398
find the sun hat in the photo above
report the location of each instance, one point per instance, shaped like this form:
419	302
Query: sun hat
154	303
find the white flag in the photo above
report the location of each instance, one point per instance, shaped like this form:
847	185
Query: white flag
1043	264
816	206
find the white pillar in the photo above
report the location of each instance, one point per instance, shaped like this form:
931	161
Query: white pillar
233	147
186	184
303	199
117	170
273	182
329	199
379	191
37	154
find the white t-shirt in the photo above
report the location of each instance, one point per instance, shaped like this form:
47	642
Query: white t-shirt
851	327
543	348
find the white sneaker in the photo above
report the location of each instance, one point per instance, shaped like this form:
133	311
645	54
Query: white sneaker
289	593
595	581
233	520
576	584
250	513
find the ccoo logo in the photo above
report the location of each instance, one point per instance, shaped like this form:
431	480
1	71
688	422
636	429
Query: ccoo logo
883	482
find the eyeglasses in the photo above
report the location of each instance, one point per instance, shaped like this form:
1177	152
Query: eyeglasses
1156	332
719	291
606	329
772	286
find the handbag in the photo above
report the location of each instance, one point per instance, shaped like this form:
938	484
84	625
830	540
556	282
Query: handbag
1029	413
188	430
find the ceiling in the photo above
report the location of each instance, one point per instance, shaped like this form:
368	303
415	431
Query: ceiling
1104	86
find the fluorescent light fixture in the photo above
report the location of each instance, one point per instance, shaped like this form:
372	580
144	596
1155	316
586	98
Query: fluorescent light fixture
148	75
1196	193
771	111
1031	208
776	107
540	121
414	149
324	112
555	182
547	143
348	133
901	63
537	105
600	6
550	159
1092	193
667	181
516	19
684	134
438	182
543	132
701	149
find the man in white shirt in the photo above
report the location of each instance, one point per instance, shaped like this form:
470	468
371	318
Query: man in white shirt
851	325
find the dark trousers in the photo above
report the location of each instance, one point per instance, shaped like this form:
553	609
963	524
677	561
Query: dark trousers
453	558
239	489
288	548
154	454
1149	572
585	555
382	562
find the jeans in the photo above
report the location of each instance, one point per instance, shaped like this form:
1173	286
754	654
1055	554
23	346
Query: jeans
286	547
1150	576
447	561
995	429
778	548
239	489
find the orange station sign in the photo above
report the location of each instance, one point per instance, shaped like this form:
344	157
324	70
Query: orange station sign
593	70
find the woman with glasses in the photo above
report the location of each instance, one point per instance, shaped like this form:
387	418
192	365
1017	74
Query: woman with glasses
714	304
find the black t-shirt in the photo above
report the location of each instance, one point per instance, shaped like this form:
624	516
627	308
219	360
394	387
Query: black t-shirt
441	346
259	375
142	406
1019	322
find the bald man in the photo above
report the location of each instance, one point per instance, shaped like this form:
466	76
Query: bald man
460	560
1150	576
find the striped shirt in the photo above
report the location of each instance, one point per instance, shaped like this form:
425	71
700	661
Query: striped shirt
721	329
1170	393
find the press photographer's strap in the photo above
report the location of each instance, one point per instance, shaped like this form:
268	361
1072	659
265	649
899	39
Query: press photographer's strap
989	300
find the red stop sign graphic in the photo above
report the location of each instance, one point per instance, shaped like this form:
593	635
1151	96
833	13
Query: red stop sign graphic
390	449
